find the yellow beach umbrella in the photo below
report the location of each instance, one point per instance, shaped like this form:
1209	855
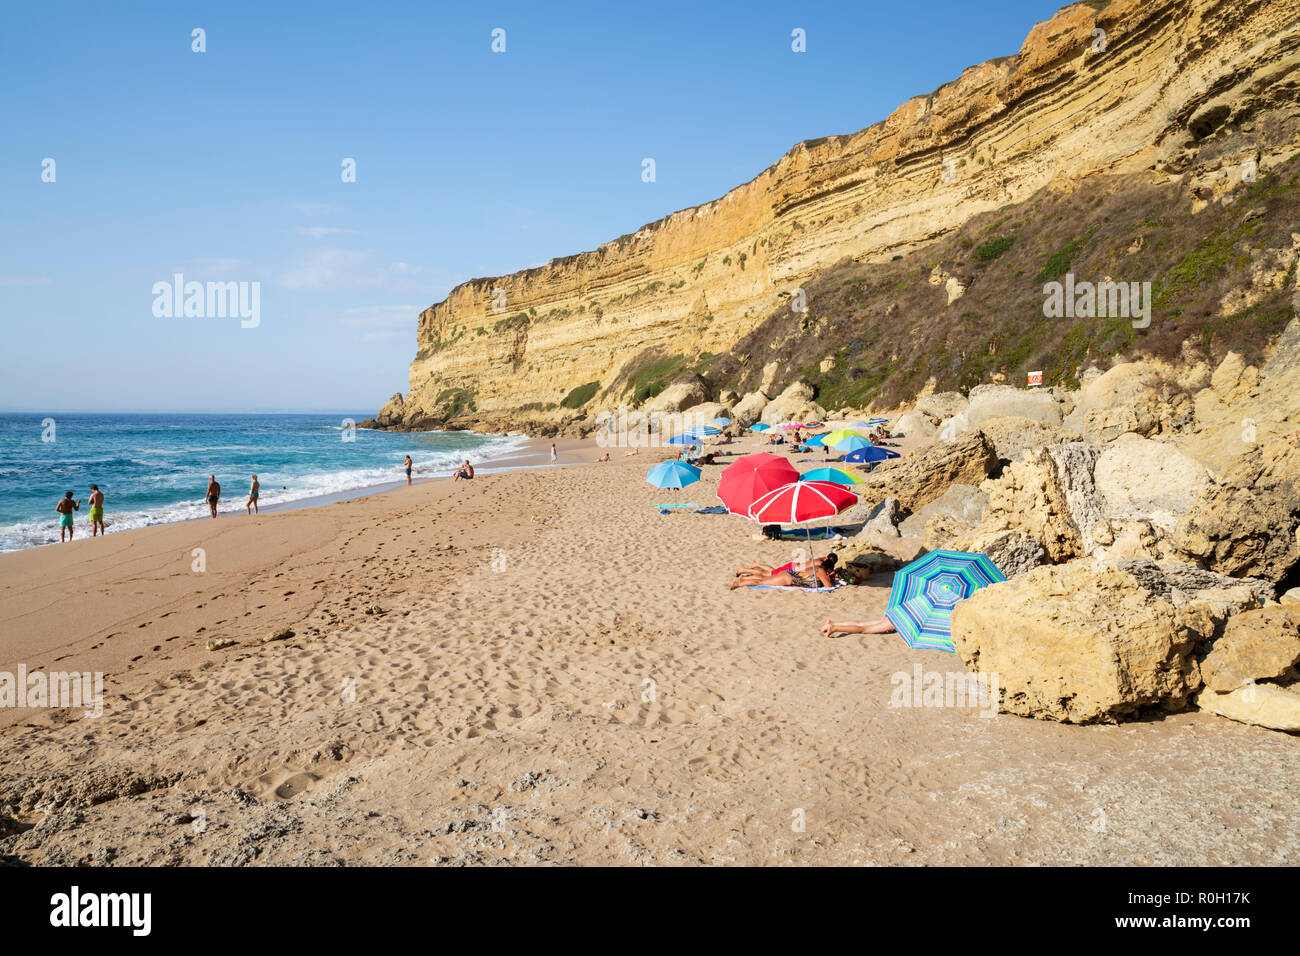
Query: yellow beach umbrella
835	437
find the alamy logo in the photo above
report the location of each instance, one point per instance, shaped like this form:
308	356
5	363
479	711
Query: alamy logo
55	689
1102	300
208	300
103	909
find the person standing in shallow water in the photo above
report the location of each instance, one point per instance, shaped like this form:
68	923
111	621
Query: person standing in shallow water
408	464
553	457
252	496
96	503
64	510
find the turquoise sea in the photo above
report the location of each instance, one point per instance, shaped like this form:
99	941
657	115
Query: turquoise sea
154	468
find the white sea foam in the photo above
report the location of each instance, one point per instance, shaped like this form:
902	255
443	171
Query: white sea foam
30	534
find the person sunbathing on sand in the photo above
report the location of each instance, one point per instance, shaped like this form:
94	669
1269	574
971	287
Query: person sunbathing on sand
604	457
881	625
635	451
797	574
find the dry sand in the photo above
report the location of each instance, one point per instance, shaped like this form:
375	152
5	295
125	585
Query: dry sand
558	675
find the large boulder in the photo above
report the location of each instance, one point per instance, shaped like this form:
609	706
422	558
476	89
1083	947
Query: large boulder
1264	705
1080	644
786	406
915	424
1012	436
883	519
1258	645
1002	401
677	396
964	502
950	428
1131	397
1012	551
942	405
1248	522
923	476
749	409
703	414
1141	478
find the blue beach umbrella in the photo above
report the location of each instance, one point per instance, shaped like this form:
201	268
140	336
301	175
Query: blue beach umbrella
760	427
705	430
830	474
853	443
685	438
721	422
924	593
817	441
870	453
673	474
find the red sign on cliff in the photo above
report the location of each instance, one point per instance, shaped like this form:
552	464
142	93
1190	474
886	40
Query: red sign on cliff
1035	378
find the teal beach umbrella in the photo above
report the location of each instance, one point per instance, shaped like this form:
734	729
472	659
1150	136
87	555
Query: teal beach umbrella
852	443
925	592
830	474
673	474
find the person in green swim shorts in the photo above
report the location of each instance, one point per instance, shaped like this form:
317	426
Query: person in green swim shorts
96	511
64	510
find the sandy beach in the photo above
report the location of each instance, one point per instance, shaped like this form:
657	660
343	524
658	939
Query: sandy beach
539	667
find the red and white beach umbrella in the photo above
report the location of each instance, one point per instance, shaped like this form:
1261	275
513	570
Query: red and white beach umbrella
750	477
801	501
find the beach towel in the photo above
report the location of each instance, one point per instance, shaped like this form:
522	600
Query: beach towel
673	505
808	534
714	510
790	587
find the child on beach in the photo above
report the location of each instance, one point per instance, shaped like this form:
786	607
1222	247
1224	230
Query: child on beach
96	511
64	510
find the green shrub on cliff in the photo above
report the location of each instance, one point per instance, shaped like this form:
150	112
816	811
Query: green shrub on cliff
581	395
988	251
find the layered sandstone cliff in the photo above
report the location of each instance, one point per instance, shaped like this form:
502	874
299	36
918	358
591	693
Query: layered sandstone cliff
1131	88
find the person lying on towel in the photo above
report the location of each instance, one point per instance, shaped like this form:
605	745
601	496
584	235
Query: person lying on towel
820	572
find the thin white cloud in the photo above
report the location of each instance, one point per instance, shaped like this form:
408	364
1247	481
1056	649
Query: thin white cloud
382	316
334	270
320	232
22	282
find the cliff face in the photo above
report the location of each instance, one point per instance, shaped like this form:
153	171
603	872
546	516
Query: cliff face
1073	103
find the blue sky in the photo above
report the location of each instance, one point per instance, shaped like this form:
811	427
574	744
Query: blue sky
225	166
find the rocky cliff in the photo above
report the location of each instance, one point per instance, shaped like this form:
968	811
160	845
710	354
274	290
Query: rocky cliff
1129	88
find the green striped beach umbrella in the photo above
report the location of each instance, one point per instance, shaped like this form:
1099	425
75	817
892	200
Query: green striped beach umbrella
924	593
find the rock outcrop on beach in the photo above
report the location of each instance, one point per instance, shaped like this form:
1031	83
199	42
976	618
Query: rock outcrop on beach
1080	644
924	476
908	253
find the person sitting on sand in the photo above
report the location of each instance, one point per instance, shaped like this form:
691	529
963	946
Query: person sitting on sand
252	496
881	625
797	574
214	494
64	510
96	511
466	471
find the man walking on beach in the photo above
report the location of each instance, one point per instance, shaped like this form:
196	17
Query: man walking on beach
96	511
252	496
407	465
214	494
64	509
